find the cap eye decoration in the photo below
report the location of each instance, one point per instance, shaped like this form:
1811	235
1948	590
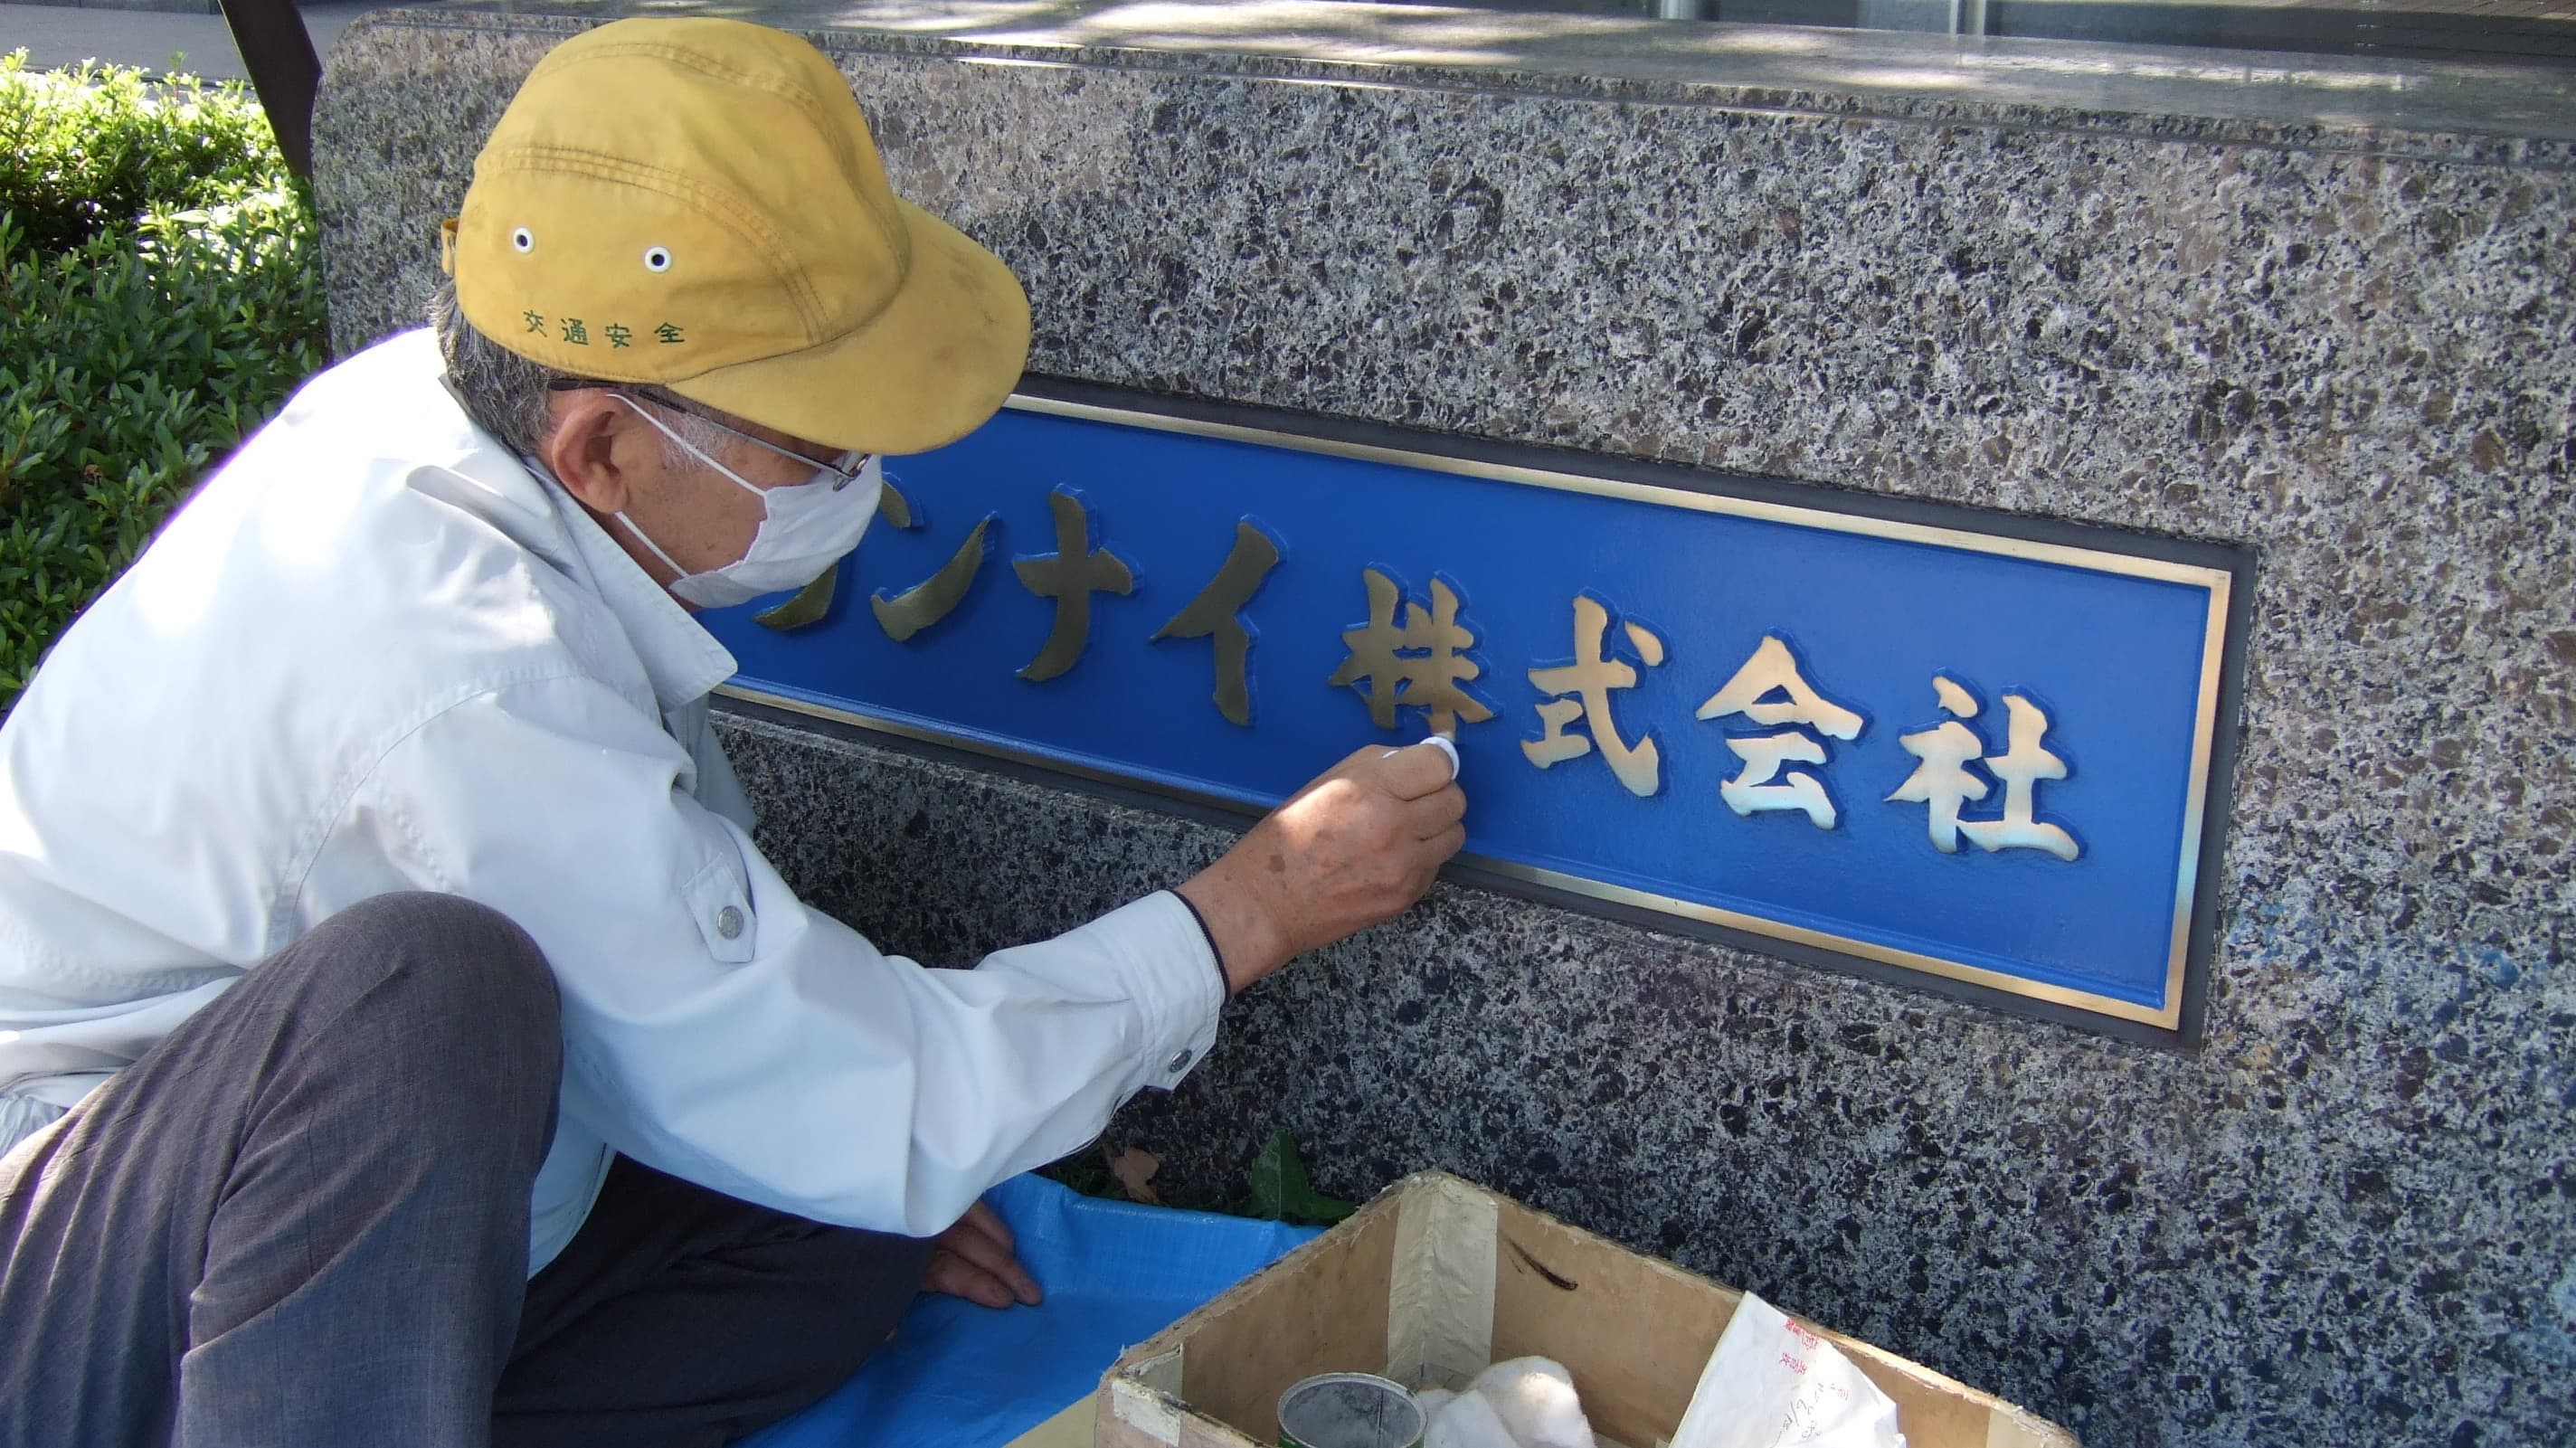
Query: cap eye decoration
524	239
657	258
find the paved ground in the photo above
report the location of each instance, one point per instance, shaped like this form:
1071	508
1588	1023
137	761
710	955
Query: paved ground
58	35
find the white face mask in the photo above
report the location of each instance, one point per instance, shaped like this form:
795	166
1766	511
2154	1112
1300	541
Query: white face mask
807	528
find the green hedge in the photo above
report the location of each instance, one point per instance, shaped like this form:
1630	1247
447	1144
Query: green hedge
160	295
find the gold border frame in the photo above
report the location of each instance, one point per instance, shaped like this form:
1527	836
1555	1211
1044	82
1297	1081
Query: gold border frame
2217	581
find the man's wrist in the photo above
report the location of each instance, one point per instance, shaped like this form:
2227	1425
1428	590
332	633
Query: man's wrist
1216	951
1247	939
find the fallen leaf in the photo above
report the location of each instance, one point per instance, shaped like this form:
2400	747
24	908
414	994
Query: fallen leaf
1134	1168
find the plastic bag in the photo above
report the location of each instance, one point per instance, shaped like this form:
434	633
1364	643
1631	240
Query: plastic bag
1772	1383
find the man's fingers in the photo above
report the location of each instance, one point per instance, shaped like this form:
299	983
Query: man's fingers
974	1242
1436	811
1420	769
983	1218
1447	843
1447	745
1357	760
955	1276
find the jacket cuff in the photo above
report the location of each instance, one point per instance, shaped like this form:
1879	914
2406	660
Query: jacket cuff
1182	1004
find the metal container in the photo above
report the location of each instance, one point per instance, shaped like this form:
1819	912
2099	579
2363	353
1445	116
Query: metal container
1349	1410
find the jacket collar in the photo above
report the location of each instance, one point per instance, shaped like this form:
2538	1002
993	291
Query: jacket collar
681	659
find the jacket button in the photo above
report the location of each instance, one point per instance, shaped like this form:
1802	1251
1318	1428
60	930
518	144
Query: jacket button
728	922
1180	1062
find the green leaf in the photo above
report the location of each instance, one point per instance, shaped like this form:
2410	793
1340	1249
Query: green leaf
1281	1192
159	298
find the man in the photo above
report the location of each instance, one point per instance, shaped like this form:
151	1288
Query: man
401	1038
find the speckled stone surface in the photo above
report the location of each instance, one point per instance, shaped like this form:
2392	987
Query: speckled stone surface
2323	307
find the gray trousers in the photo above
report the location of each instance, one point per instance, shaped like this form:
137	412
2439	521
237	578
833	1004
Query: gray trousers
302	1218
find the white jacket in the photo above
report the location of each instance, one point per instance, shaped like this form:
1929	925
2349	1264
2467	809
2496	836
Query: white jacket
376	653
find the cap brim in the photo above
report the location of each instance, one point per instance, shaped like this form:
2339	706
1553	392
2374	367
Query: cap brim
941	357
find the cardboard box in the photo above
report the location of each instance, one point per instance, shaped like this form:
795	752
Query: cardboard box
1436	1279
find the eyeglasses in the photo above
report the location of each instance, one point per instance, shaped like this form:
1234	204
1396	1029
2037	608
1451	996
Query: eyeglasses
844	469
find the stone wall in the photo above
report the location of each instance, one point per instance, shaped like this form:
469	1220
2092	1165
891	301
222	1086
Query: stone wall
2323	307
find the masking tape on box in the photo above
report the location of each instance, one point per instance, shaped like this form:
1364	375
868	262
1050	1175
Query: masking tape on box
1440	1301
1147	1397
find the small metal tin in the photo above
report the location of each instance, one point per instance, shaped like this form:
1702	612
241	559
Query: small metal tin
1349	1410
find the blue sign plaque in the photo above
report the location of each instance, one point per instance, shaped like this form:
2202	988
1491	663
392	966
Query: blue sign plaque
1977	751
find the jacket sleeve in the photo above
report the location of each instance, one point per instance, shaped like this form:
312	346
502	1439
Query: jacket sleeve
718	1029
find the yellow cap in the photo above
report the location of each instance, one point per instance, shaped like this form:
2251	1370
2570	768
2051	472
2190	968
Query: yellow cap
697	204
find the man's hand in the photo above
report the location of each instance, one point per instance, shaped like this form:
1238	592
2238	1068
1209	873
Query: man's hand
973	1260
1351	849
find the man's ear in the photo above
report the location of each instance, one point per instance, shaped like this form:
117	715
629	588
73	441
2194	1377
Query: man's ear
588	449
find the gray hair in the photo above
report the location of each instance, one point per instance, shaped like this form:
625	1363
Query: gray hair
505	394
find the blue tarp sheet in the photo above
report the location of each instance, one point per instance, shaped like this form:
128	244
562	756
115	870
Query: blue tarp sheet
1114	1273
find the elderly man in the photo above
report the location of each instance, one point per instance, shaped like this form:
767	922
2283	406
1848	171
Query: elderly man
401	1038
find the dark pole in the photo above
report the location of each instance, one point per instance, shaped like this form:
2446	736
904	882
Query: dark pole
278	52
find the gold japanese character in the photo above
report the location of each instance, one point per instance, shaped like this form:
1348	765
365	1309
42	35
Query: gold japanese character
813	602
1770	690
893	506
1218	613
1069	575
1584	689
1420	664
1942	780
907	613
808	607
